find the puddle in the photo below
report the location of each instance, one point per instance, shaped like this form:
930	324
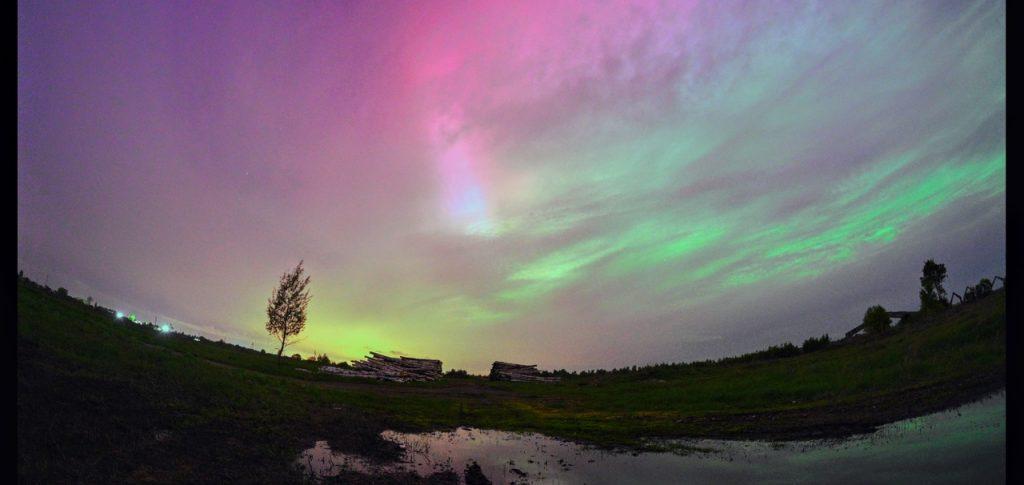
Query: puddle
957	446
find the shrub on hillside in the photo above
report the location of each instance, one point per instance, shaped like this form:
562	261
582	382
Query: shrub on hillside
983	288
773	352
876	319
319	358
456	373
785	350
812	344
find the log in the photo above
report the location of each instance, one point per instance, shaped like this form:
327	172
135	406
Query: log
507	371
384	367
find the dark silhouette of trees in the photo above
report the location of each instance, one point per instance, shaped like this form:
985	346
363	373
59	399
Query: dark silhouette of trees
772	352
876	319
978	291
286	308
319	358
983	288
933	295
812	344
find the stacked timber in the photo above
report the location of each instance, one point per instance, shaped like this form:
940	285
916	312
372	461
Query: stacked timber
397	369
505	371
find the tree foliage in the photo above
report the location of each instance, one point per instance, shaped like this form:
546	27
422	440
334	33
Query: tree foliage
933	295
978	291
319	358
286	308
983	288
812	344
876	319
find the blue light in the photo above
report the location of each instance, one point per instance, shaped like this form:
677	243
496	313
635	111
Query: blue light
165	328
120	315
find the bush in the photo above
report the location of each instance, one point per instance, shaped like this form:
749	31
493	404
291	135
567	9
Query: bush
456	373
319	358
296	356
785	350
876	319
983	288
812	344
772	352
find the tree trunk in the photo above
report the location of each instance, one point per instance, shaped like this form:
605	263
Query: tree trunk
280	350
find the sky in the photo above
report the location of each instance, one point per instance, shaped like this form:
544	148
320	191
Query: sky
570	184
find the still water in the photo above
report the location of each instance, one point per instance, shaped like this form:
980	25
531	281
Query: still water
963	445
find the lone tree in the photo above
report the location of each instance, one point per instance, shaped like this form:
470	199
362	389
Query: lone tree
286	308
876	319
933	295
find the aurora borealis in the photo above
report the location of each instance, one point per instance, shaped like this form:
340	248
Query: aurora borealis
572	184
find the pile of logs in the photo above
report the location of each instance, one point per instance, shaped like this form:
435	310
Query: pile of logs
397	369
504	371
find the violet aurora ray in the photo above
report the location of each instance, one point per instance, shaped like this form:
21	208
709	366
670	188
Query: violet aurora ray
572	184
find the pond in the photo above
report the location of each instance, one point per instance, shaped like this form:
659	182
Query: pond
961	445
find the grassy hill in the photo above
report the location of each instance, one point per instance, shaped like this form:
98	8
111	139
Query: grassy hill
101	399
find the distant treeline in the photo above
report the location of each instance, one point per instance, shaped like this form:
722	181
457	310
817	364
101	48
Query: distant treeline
876	321
62	292
773	352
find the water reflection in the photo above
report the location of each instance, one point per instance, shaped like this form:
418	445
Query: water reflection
957	446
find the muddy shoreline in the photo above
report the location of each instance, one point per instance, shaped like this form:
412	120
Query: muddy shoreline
824	423
844	420
833	422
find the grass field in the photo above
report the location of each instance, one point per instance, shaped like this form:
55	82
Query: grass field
101	399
